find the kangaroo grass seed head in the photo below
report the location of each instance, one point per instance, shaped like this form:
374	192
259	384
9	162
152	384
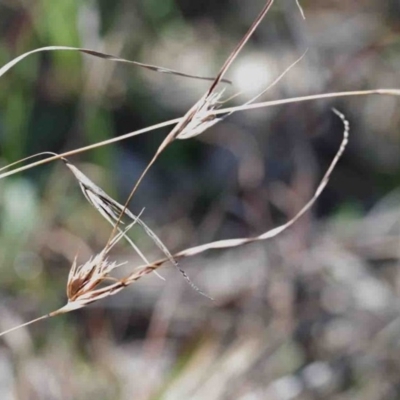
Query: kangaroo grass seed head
112	211
85	278
203	118
92	280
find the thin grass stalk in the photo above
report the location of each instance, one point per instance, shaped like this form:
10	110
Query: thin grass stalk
83	281
226	110
300	9
104	56
192	112
230	243
321	96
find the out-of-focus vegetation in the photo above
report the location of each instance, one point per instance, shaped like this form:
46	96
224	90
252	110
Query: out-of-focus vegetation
313	314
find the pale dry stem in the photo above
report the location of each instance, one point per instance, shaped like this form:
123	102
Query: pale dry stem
227	110
84	281
229	243
300	9
199	105
104	56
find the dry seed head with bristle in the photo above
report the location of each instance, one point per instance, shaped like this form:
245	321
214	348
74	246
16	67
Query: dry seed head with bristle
111	210
83	279
203	118
83	285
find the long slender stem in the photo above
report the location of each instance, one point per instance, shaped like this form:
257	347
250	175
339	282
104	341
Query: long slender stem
91	147
193	111
25	324
389	92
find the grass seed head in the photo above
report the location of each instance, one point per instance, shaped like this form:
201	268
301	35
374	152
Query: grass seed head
203	118
85	278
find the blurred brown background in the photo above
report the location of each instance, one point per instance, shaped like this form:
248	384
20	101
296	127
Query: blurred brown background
313	314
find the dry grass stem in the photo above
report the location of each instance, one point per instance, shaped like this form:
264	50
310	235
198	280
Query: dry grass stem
205	102
28	158
83	281
276	80
205	117
104	56
301	9
229	243
110	209
198	110
83	149
321	96
215	112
